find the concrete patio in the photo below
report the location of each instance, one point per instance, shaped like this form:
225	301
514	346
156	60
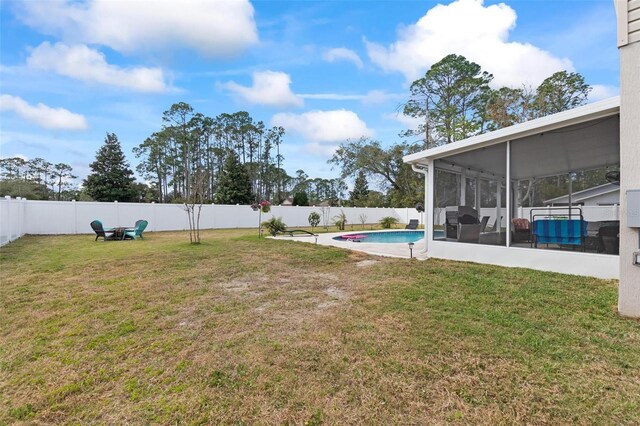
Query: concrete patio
398	250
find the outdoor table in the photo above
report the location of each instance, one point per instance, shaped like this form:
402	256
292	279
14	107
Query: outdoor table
120	232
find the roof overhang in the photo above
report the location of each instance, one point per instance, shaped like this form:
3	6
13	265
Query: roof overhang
594	111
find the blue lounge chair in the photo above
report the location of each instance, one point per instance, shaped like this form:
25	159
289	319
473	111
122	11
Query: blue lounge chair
137	230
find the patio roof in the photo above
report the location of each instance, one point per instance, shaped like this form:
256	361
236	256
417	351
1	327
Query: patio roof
579	139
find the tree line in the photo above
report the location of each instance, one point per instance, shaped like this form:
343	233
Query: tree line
191	143
453	101
232	158
36	179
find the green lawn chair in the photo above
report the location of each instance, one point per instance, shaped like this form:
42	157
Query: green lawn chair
100	231
137	230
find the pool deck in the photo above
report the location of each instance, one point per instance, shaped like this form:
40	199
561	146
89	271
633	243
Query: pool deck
400	250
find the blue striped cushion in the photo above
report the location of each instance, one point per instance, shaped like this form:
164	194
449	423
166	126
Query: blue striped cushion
566	231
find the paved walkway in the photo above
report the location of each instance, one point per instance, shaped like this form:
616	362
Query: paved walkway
379	249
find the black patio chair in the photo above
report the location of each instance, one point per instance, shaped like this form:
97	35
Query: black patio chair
413	224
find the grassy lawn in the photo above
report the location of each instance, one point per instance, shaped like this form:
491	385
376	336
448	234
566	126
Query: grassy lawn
246	331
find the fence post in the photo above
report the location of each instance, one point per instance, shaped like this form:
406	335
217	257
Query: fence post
153	209
75	217
8	221
117	214
20	202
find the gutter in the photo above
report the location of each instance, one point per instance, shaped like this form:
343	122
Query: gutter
423	171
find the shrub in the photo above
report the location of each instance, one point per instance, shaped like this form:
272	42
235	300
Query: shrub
388	221
274	225
340	220
363	219
314	219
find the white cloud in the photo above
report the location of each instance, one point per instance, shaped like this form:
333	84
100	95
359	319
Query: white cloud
322	150
86	64
331	96
409	122
380	97
601	91
21	156
371	97
214	28
468	28
324	127
268	88
342	54
43	115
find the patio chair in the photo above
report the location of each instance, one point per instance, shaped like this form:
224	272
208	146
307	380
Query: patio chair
413	224
468	232
100	231
497	224
456	215
483	223
569	232
521	230
610	237
137	230
290	232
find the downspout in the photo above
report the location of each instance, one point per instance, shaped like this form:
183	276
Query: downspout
423	170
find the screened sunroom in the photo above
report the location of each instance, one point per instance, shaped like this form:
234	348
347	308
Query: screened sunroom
485	195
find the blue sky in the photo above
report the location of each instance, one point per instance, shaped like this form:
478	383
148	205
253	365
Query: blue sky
326	71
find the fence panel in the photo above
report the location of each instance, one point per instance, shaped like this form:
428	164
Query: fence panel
11	220
19	217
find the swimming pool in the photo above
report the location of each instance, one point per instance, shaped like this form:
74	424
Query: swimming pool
382	237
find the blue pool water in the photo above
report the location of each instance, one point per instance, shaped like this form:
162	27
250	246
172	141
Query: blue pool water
386	237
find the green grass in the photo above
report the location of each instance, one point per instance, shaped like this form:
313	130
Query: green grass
241	330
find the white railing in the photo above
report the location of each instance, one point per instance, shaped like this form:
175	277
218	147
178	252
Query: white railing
19	217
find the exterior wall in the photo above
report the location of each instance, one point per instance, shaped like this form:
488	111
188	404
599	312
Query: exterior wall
629	289
19	217
628	14
575	263
610	198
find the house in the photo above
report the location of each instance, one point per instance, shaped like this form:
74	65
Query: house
484	176
628	14
601	195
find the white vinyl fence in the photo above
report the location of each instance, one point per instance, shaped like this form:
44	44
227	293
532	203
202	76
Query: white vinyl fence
11	220
19	217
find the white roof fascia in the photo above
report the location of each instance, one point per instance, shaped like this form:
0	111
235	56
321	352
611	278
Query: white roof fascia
593	111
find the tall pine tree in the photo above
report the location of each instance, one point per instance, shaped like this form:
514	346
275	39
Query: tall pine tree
234	183
111	178
360	190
